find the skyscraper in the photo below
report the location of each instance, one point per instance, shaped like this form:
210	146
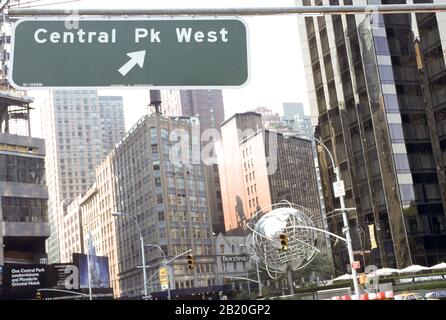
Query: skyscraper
260	167
377	84
160	185
79	128
207	106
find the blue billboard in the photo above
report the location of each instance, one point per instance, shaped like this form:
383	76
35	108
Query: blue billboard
98	268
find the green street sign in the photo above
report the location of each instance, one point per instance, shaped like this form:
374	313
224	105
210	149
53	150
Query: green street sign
156	53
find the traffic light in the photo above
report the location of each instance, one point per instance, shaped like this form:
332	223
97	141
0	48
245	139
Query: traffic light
38	296
190	261
284	242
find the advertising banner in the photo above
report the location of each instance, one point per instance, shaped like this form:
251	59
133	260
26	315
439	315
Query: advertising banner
21	278
98	267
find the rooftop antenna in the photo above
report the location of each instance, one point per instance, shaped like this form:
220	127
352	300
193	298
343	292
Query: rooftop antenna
155	100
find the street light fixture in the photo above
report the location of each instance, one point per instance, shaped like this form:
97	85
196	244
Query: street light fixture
144	271
346	228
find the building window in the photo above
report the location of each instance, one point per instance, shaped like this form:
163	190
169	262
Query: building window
22	169
24	209
407	192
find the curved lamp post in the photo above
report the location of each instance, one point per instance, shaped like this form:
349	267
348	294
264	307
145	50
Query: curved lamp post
343	210
121	214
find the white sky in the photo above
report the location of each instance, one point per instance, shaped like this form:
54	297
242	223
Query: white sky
276	65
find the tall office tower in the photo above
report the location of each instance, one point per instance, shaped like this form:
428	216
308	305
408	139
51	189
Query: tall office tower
160	187
79	127
111	114
260	167
378	87
207	105
23	193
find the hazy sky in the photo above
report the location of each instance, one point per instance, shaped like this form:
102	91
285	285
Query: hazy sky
276	67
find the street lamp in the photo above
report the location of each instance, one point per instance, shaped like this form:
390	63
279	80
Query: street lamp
121	214
164	263
346	228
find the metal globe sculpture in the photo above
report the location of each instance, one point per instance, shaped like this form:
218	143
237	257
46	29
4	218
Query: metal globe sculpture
283	238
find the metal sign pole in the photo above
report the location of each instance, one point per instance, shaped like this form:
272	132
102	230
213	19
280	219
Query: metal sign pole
350	9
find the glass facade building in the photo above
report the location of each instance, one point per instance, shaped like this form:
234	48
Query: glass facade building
377	85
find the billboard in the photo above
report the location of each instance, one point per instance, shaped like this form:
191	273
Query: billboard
64	276
23	281
21	278
99	270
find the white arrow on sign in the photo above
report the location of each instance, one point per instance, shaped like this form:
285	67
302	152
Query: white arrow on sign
136	58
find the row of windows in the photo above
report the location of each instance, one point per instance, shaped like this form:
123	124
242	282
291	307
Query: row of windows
183	233
182	269
22	169
17	209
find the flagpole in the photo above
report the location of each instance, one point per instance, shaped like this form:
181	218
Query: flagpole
89	277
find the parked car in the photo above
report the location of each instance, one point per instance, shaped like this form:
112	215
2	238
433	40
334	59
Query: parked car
436	295
409	296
